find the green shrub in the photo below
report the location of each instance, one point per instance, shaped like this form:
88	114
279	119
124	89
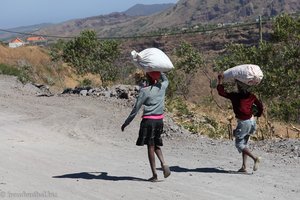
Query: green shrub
178	106
13	71
87	54
86	82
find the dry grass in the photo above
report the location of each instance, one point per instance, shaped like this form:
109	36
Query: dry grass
41	69
33	56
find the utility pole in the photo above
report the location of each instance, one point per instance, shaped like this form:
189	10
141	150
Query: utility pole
260	29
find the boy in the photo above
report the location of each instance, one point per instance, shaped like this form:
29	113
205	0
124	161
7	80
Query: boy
242	102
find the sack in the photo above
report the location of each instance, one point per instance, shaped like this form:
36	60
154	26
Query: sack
152	59
247	73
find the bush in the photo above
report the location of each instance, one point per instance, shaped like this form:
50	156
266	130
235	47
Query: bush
87	54
86	82
188	62
12	71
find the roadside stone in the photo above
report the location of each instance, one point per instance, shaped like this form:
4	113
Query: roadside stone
83	93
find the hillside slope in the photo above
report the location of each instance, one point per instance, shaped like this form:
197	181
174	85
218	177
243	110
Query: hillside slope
37	64
185	13
7	35
73	27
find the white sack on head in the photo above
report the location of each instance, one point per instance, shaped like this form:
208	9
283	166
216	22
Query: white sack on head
152	59
248	73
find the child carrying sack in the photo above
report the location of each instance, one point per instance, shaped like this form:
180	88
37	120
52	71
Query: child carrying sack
152	59
247	73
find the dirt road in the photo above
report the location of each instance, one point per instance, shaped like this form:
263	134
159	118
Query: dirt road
72	148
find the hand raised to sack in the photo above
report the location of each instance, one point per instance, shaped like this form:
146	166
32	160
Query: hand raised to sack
220	76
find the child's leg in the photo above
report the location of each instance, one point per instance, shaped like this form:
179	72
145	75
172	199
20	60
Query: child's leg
246	152
241	141
256	160
242	135
164	167
159	154
151	157
244	165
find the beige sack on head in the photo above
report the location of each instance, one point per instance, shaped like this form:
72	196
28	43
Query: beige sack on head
248	73
152	59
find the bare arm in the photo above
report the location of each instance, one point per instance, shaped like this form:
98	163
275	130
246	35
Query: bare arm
138	104
260	107
220	87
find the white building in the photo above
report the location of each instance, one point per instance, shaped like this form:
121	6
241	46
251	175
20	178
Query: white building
17	42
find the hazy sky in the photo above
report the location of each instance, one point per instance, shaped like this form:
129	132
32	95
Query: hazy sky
15	13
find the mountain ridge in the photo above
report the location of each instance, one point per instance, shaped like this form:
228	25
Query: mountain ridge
146	10
74	26
183	14
189	13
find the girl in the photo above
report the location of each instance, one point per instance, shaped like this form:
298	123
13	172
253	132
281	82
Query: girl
152	97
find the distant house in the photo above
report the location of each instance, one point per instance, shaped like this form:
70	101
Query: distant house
36	40
17	42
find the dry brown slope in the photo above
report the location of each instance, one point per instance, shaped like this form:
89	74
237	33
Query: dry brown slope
38	65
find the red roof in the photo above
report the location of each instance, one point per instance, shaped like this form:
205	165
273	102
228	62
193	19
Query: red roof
16	40
34	39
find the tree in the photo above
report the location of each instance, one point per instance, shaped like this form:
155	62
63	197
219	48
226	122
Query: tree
87	54
189	61
57	50
286	28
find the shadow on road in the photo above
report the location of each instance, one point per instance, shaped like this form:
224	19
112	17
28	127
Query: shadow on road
203	170
99	175
207	170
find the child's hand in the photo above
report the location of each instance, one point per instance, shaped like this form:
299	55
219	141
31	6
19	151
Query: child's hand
123	127
220	77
